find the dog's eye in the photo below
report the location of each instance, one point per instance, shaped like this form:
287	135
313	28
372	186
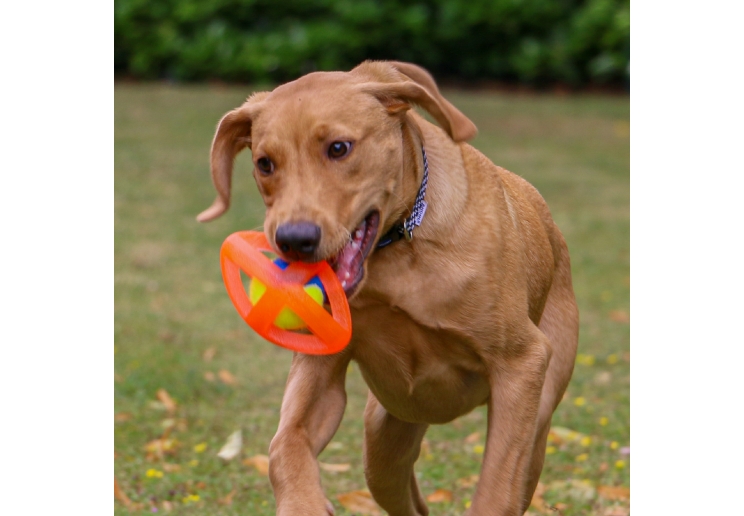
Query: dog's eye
265	166
338	149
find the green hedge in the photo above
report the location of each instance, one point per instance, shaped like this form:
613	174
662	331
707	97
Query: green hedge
534	41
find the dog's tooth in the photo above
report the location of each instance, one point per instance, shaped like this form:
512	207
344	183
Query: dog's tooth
343	284
346	276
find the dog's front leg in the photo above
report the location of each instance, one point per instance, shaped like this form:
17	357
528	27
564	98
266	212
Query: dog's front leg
516	378
313	406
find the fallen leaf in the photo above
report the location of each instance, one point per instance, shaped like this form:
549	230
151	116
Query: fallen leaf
120	495
167	401
209	376
260	462
227	499
209	354
158	448
616	511
473	438
468	481
226	377
122	417
603	378
200	485
425	447
439	496
620	316
167	506
559	434
171	468
334	468
232	446
580	490
359	502
172	423
614	492
537	502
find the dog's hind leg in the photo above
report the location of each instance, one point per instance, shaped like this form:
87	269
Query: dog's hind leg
560	324
391	447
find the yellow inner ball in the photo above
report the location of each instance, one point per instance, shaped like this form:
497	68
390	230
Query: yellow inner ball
287	319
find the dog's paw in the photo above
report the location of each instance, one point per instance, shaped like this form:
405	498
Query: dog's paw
330	509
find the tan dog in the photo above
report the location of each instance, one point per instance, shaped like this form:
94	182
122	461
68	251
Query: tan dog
477	308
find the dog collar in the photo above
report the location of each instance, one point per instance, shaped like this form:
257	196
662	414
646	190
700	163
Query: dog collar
405	229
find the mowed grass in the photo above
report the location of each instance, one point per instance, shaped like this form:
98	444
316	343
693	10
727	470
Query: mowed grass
171	307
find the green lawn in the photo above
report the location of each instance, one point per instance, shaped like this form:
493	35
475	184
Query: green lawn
171	307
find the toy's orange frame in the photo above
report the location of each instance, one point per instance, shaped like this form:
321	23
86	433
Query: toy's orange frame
331	332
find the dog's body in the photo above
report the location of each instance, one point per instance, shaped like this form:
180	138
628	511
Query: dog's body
478	308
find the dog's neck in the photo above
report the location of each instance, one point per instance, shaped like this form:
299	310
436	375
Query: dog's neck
404	229
443	159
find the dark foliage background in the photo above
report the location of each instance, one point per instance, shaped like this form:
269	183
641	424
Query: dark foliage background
574	42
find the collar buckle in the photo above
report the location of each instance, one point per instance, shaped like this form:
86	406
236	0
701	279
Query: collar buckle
408	234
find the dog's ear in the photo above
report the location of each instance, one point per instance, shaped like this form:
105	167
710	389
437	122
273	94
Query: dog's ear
232	136
421	90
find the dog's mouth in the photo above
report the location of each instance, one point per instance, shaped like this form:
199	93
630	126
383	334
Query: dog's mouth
348	263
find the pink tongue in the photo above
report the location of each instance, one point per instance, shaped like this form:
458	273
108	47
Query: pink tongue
350	257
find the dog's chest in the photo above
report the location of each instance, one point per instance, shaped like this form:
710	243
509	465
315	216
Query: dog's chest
418	374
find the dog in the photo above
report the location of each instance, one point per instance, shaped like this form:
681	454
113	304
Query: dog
458	280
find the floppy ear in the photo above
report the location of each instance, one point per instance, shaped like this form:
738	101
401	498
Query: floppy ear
232	136
422	91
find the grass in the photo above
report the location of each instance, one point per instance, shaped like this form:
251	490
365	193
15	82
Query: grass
171	307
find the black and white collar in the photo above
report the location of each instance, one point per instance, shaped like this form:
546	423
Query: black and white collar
405	229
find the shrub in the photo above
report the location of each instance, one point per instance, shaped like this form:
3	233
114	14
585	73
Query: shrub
533	41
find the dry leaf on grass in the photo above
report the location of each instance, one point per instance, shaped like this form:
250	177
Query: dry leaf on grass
603	378
167	401
334	468
167	506
537	502
209	354
174	424
122	417
359	502
439	496
580	490
232	446
473	438
209	376
620	316
171	468
614	492
120	495
226	377
425	447
559	435
468	481
227	499
158	448
616	511
260	462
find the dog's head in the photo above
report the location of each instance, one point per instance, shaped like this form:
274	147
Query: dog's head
336	159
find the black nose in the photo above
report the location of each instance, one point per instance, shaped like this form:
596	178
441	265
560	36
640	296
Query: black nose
298	240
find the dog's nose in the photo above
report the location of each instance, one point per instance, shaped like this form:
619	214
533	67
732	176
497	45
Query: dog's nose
298	240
